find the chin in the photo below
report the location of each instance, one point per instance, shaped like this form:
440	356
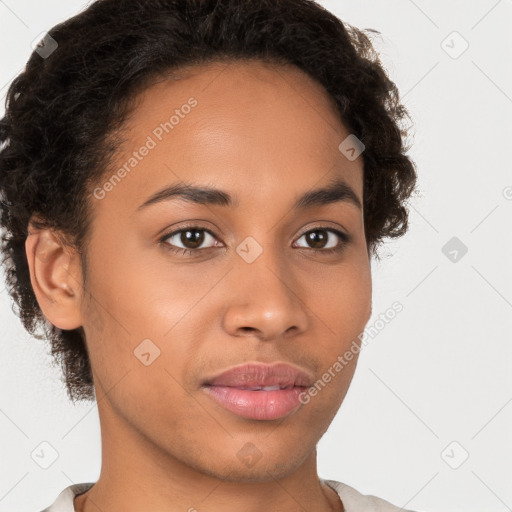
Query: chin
249	464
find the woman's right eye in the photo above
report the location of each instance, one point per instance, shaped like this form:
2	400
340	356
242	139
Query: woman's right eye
190	237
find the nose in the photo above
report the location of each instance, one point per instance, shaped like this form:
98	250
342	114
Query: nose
266	299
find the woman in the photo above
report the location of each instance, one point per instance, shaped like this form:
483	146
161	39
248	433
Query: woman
192	194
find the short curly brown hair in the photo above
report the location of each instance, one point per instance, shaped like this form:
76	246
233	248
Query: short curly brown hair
63	111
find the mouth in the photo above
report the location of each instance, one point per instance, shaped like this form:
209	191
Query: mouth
258	391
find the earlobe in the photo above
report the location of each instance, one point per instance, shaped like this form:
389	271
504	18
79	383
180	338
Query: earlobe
55	277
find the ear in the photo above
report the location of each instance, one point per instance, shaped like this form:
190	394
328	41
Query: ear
55	274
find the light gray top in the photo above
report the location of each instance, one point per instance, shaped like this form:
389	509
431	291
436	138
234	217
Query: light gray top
353	500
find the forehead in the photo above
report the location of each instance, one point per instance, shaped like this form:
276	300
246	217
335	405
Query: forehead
246	125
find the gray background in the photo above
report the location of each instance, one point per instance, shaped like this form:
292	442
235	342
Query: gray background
434	386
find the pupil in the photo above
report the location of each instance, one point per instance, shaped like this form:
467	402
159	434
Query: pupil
196	239
314	238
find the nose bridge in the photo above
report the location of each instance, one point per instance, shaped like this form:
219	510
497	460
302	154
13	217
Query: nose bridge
265	297
261	261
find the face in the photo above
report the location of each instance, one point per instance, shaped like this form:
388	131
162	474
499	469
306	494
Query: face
180	290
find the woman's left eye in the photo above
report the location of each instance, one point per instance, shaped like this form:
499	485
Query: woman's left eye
318	237
193	237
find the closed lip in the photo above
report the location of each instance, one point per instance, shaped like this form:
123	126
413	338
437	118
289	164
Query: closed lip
257	375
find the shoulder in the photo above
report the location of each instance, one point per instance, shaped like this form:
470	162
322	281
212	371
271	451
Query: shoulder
64	501
354	501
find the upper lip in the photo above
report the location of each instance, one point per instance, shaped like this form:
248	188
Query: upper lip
260	374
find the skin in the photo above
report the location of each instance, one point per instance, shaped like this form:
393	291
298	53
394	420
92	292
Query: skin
266	134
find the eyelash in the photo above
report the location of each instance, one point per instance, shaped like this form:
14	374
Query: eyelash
345	239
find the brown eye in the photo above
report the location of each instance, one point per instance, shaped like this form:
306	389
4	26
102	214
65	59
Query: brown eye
324	240
191	240
317	239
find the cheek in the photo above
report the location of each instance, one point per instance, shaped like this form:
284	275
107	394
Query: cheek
141	371
138	323
341	298
343	305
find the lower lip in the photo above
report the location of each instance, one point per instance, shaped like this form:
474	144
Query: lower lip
257	405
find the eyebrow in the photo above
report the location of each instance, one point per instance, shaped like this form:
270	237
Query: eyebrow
335	191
